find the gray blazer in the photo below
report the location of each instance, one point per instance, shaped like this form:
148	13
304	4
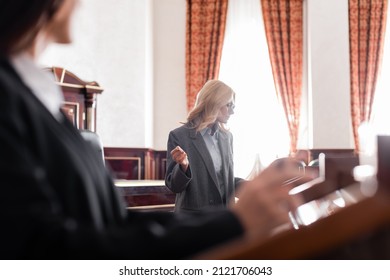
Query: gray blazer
198	188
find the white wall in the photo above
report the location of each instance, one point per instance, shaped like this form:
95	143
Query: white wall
169	68
135	49
328	74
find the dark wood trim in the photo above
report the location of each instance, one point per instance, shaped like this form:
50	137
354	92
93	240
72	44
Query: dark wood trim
314	153
146	195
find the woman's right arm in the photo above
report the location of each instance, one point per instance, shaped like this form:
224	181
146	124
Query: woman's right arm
176	179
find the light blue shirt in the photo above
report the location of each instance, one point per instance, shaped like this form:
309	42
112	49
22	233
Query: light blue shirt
215	153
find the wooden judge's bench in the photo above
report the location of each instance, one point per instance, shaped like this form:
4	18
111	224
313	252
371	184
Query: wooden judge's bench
345	215
80	98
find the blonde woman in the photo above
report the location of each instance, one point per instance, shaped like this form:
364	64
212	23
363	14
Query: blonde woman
200	152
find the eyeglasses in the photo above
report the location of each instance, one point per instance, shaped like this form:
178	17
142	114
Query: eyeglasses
231	105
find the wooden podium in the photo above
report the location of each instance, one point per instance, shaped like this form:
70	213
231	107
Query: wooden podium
352	222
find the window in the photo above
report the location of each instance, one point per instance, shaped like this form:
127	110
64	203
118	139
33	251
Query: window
258	125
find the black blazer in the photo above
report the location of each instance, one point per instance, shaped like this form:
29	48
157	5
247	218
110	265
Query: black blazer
58	201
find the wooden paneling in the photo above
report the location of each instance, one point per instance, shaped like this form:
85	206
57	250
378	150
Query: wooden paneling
160	164
139	176
135	163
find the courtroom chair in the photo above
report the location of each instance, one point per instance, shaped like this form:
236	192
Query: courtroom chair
95	141
314	162
313	168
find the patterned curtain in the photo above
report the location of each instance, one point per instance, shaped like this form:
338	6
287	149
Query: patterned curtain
284	31
367	21
205	30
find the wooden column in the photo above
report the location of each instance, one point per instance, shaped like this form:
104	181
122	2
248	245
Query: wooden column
80	98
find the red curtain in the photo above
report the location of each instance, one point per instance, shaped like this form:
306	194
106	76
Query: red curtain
367	21
205	30
284	31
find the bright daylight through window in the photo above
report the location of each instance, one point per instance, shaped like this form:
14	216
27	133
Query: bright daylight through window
259	126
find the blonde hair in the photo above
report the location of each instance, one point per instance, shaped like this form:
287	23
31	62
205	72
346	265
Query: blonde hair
213	95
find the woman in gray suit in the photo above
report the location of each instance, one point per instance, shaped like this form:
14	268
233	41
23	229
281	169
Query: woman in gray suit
200	152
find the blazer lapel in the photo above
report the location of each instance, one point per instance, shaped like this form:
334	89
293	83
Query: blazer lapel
200	145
